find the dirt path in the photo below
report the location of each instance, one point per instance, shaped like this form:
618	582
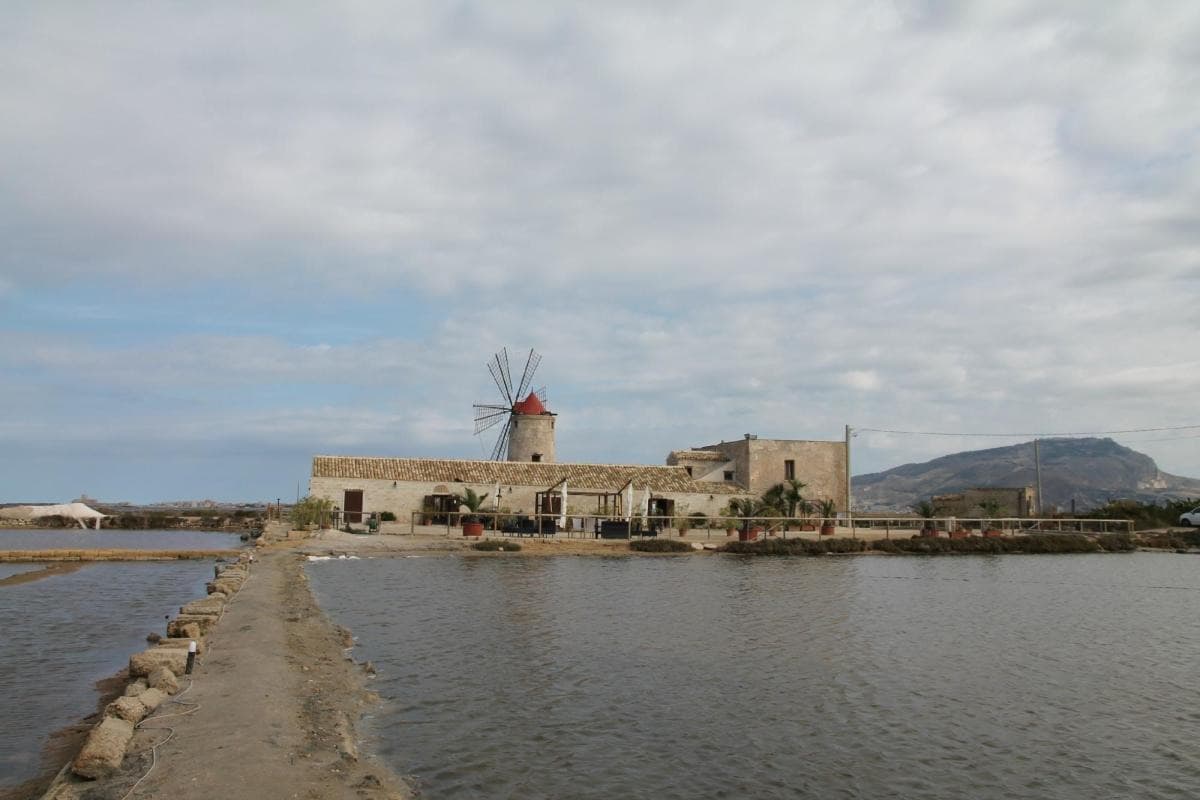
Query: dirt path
270	712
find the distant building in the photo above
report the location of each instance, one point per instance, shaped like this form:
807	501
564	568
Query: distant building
431	486
756	465
702	479
1018	501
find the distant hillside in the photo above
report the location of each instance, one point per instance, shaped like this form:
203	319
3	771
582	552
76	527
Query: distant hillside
1089	471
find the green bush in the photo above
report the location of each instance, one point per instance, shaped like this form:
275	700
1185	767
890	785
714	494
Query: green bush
1174	540
1042	543
387	516
660	546
496	544
795	547
1144	515
311	511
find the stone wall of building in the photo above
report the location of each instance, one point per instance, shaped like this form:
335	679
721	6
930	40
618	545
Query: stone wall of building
1014	501
403	498
759	464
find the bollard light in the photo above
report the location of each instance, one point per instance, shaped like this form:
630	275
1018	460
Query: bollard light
191	660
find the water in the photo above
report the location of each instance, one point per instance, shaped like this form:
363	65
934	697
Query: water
32	539
61	634
8	570
861	677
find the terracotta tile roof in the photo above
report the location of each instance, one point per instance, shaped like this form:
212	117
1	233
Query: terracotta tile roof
698	455
604	477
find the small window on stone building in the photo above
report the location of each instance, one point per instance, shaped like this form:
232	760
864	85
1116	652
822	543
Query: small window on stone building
536	457
689	471
789	469
728	474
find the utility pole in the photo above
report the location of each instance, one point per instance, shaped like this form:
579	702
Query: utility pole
849	516
1037	466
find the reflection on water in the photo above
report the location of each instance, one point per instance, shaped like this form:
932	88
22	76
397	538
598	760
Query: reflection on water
7	570
30	539
992	677
61	634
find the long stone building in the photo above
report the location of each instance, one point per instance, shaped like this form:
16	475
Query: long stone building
699	480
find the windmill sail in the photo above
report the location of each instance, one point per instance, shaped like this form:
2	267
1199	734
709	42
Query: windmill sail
489	415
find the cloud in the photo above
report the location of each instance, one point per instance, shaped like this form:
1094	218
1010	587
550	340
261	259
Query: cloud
909	215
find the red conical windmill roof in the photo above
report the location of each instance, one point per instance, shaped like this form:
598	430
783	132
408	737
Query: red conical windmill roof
530	405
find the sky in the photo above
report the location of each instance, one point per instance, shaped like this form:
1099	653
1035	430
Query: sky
233	237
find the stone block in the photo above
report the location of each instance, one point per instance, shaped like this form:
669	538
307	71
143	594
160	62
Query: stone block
129	709
164	680
143	663
104	749
152	698
182	642
209	608
136	688
200	624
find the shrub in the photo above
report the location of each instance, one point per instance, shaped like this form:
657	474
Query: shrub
311	511
795	547
1043	543
387	516
660	546
496	544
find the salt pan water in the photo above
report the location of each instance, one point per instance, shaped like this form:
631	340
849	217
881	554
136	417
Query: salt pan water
836	677
61	634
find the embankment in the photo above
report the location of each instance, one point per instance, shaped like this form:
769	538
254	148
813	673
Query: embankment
21	556
269	710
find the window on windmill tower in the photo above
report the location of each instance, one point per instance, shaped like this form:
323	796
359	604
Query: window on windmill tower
689	471
789	469
536	457
728	474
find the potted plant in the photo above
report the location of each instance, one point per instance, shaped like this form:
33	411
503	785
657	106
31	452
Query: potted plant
991	509
683	524
747	510
728	520
471	524
828	510
927	511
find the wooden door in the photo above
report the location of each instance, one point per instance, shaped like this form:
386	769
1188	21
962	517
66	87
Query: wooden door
352	504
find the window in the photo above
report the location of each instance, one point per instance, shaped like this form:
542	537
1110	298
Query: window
789	469
536	457
728	474
689	471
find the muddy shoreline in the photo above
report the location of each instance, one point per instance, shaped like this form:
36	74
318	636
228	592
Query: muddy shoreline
62	745
271	709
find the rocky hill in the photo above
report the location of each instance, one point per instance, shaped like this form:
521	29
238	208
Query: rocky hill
1089	471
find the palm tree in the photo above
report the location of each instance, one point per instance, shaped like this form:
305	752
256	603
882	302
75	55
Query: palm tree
828	510
747	509
473	502
927	511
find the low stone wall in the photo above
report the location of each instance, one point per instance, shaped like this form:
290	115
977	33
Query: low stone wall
154	676
113	555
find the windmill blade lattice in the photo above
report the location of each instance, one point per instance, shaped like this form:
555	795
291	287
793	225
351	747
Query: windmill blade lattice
531	365
489	415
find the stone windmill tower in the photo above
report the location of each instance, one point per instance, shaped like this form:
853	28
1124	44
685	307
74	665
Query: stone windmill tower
528	433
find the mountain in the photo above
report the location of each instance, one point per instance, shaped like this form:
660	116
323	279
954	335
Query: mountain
1089	471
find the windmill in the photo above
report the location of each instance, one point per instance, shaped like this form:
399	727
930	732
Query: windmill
513	400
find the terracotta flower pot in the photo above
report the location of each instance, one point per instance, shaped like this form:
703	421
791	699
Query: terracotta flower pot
959	534
929	532
992	533
730	531
472	529
827	530
750	535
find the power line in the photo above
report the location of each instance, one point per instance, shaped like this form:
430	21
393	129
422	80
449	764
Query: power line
1034	435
